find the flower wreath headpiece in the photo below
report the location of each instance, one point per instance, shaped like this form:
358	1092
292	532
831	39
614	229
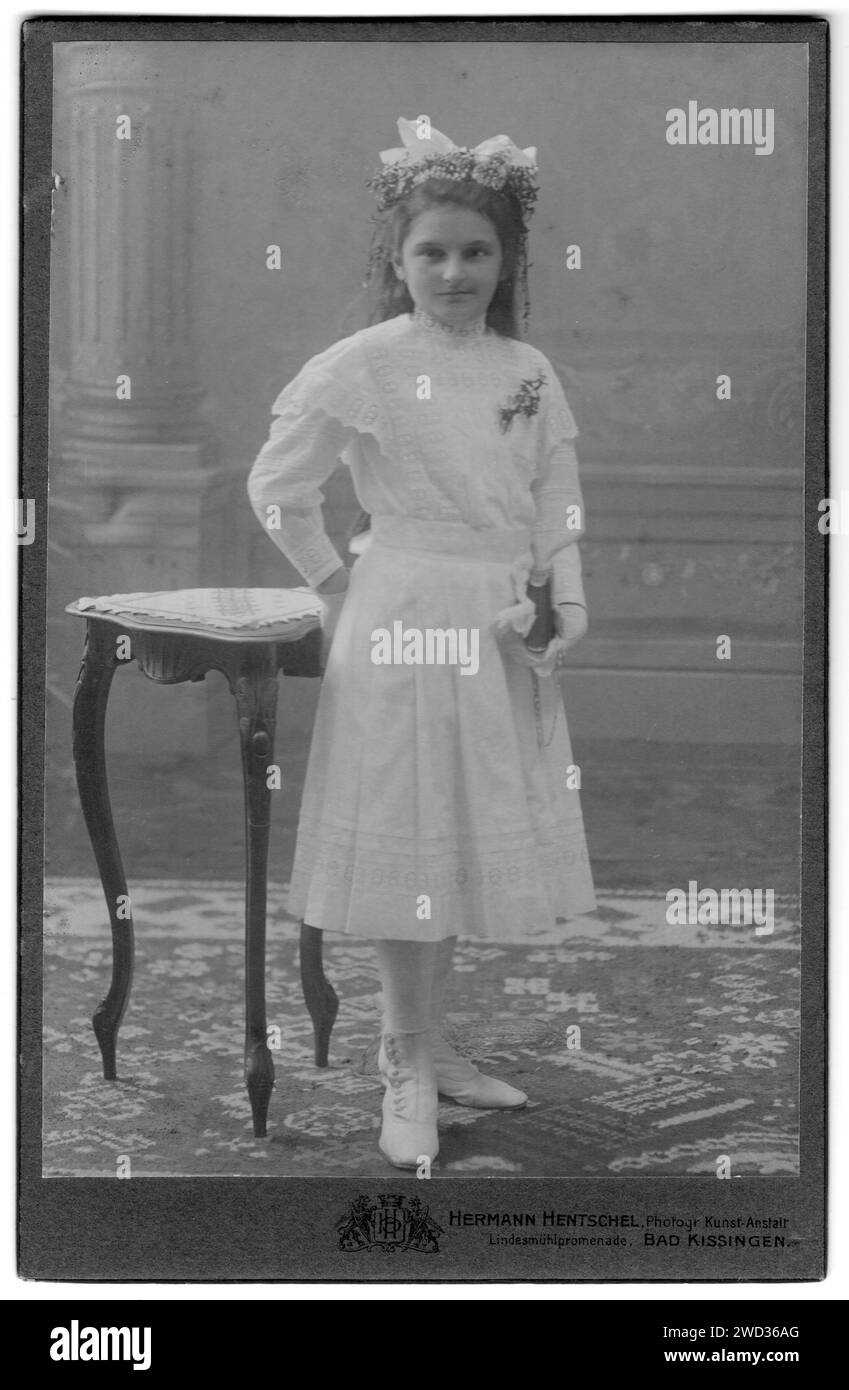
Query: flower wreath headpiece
428	154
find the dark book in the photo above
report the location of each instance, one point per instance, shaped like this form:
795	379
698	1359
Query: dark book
542	631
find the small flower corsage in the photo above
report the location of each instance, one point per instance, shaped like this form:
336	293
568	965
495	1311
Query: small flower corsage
524	402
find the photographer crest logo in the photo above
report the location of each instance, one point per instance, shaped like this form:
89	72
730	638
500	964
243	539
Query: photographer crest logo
392	1223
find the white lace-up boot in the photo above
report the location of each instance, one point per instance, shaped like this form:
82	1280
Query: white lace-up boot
457	1078
410	1102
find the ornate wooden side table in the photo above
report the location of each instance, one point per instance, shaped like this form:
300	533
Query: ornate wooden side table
175	637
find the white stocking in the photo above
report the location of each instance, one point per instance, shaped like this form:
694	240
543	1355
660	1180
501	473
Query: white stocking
444	958
406	975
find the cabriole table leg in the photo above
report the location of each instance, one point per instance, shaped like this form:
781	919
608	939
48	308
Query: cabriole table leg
90	699
256	702
320	997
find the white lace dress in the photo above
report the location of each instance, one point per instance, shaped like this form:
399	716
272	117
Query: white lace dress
437	801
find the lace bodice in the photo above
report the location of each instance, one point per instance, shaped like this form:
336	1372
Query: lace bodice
435	421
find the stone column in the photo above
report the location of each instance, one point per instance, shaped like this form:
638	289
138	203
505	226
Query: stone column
132	467
131	209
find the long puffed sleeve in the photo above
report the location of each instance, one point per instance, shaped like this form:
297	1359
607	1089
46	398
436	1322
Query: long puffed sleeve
317	415
557	493
284	487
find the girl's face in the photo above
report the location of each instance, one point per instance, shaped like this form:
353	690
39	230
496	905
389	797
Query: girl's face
451	261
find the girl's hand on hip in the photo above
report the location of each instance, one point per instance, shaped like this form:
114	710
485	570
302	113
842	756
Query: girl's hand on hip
329	620
332	598
335	583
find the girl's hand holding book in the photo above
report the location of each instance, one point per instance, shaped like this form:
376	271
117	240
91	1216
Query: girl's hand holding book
570	623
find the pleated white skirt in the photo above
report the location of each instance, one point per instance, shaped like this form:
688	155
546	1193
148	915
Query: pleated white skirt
429	807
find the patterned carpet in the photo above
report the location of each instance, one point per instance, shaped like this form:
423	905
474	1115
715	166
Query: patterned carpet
646	1049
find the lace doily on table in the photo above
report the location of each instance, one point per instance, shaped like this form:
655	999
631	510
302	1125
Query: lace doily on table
226	609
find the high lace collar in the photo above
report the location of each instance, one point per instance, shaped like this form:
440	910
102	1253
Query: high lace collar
450	331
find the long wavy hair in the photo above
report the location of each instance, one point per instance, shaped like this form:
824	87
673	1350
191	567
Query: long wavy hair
390	296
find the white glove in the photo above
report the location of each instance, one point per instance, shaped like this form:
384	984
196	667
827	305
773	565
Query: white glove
570	620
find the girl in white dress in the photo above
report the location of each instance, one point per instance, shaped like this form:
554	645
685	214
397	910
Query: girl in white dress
440	794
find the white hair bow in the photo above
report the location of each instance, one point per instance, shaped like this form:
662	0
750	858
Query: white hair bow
422	141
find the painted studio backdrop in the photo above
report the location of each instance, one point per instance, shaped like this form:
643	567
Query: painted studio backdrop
678	334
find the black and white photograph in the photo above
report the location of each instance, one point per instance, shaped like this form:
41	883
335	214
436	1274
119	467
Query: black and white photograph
431	526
